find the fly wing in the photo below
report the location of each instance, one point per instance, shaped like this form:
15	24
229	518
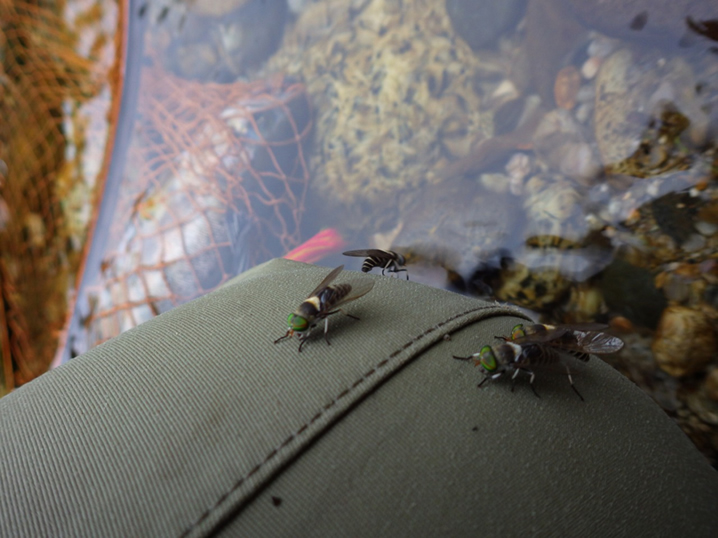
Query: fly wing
584	327
542	337
357	288
365	253
542	359
580	345
598	342
578	339
327	280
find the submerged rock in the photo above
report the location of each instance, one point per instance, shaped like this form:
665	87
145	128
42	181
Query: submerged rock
685	341
387	84
631	292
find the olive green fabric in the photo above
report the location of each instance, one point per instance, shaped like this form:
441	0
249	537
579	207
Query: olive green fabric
195	424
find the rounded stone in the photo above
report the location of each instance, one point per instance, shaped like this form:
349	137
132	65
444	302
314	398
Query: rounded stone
685	341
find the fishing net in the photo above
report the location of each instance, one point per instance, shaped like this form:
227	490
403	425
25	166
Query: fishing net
214	183
59	78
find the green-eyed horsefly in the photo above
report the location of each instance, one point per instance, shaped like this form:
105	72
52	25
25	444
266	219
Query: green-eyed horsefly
325	300
537	346
495	361
388	260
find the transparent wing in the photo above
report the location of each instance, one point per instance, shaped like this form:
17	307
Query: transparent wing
573	340
542	359
552	333
598	342
583	326
356	288
365	253
327	280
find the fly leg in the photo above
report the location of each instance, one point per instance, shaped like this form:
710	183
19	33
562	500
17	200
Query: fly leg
513	379
531	382
304	337
392	267
289	333
494	376
470	357
342	311
326	327
570	380
326	323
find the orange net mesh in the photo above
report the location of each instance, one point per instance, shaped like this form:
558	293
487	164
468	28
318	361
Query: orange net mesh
214	183
58	76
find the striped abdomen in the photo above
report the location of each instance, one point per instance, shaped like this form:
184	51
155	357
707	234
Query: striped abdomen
580	355
333	295
537	355
374	257
383	259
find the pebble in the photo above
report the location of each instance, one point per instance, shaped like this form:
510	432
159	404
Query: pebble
711	384
518	167
706	228
590	67
685	341
694	243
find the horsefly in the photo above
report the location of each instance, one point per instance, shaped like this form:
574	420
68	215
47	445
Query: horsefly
325	300
538	346
388	260
495	361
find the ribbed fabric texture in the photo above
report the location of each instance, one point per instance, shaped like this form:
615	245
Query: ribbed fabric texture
170	428
429	454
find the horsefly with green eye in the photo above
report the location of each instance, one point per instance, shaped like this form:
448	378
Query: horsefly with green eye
388	260
538	346
325	300
511	358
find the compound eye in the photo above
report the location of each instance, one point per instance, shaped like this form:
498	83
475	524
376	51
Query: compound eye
487	359
518	331
297	323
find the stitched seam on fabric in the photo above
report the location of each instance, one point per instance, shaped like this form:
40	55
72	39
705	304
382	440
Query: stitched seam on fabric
334	402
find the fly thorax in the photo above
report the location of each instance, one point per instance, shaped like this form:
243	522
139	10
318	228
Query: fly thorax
529	352
508	353
310	308
536	328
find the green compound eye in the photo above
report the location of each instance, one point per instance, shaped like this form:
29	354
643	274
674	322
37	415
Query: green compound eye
488	359
297	323
518	331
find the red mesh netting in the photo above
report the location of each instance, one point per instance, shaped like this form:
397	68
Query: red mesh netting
58	78
214	183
